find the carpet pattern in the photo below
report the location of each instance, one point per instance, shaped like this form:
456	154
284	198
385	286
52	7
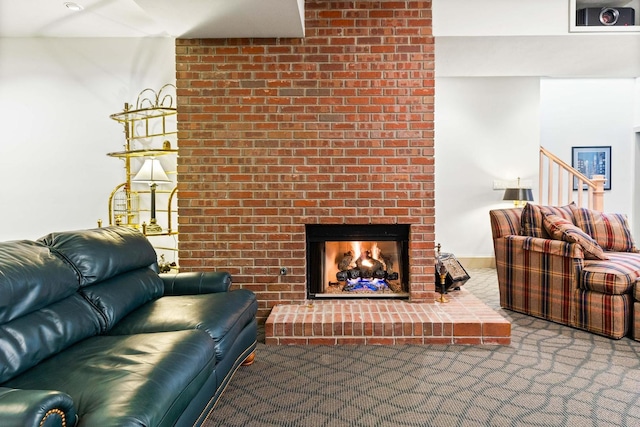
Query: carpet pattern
550	375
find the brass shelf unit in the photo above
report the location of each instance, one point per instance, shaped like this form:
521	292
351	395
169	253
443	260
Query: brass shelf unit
149	127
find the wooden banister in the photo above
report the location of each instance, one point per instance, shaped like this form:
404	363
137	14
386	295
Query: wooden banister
558	180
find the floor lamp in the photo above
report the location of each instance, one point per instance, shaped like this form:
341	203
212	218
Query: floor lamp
152	173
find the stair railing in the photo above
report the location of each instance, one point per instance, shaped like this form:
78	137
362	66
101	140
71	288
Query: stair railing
561	184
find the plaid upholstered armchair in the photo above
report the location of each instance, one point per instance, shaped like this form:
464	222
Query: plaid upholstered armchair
569	265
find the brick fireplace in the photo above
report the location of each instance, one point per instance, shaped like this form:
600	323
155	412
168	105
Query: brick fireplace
279	134
357	261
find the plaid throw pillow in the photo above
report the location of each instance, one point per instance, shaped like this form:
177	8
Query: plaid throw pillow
610	230
531	223
562	229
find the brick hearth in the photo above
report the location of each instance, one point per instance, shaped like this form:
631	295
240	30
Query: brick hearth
463	320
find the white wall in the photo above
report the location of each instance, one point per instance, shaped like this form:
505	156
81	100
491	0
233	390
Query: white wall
56	96
636	120
636	177
490	59
491	128
486	129
500	17
593	112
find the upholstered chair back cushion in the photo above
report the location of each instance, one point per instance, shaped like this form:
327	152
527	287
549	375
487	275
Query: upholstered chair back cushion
563	229
31	277
120	295
101	253
30	339
41	312
610	230
531	221
505	222
114	266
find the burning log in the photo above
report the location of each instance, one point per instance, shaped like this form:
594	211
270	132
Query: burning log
388	262
345	262
380	274
361	271
367	264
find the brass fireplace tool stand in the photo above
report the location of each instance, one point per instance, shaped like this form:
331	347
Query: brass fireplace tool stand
442	272
443	278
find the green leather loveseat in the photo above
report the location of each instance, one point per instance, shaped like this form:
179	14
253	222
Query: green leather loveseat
91	334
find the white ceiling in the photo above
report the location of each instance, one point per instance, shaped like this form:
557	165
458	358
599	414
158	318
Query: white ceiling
532	38
153	18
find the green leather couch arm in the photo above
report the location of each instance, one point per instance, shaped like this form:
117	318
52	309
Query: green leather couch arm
37	408
196	283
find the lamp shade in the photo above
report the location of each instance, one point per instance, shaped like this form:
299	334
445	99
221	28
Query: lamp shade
518	194
151	172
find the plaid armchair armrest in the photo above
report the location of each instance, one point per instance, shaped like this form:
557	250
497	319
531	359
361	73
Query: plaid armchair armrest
550	246
538	276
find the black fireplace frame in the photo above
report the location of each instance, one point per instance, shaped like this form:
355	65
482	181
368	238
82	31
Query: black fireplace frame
318	234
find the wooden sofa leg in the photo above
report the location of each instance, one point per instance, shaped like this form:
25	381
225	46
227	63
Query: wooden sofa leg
249	360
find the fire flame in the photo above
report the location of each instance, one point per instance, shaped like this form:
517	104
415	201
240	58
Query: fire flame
361	252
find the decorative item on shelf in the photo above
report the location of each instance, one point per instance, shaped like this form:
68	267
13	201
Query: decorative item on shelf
165	266
519	196
123	206
153	174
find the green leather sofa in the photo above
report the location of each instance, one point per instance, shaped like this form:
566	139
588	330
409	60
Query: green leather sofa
91	334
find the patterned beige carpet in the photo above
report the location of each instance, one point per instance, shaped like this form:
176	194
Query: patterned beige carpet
550	375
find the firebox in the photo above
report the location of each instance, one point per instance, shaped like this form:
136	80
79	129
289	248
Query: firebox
357	261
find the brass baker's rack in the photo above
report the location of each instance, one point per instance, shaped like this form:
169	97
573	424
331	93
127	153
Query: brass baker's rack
149	121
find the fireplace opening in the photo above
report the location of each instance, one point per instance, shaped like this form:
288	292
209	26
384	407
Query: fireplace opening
357	261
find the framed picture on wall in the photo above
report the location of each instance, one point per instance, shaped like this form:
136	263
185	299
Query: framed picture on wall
592	161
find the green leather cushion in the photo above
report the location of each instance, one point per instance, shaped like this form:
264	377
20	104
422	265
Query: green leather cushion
222	315
28	340
31	277
118	296
196	282
120	381
101	253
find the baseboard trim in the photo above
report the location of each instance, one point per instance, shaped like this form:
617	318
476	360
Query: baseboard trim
478	262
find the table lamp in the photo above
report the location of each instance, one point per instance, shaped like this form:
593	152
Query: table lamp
152	173
518	195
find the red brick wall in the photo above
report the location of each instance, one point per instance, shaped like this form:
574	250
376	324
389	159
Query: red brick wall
333	128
